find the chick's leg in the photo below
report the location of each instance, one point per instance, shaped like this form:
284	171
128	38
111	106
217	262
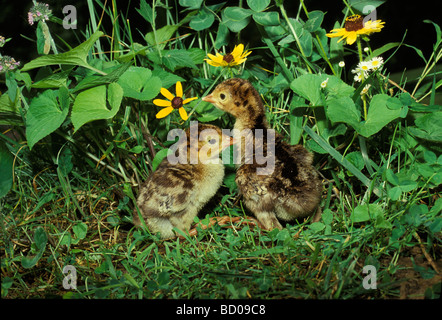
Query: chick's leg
268	220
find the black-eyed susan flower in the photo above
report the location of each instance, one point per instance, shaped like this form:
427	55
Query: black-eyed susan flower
354	26
236	57
174	102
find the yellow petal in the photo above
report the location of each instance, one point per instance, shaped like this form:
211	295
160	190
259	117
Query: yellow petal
189	99
167	93
183	114
237	51
215	64
179	89
351	37
164	112
162	103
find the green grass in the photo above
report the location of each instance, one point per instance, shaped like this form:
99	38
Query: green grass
70	198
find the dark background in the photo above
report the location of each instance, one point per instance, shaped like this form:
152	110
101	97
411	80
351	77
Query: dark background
400	16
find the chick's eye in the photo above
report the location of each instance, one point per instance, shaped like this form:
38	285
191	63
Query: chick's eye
222	96
212	141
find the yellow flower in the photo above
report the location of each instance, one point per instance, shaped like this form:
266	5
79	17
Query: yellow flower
174	102
236	57
354	26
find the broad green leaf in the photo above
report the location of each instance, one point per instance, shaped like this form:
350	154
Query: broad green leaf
343	110
258	5
46	114
159	157
161	36
203	20
146	11
96	80
91	104
379	115
222	36
268	18
308	86
80	230
40	241
54	80
6	169
428	127
77	56
366	212
206	111
176	58
361	4
138	83
167	78
191	4
236	18
315	20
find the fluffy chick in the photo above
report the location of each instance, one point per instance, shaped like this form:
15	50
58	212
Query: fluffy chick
292	188
174	193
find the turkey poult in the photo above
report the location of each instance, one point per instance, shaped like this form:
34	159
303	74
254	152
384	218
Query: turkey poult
287	189
172	195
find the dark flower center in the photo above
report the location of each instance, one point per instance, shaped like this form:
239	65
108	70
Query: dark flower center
354	23
228	58
177	102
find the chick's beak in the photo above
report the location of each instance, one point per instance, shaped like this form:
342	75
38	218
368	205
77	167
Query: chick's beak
228	141
209	99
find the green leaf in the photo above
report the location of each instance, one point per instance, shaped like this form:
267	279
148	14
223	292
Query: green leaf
146	11
383	49
269	18
428	127
236	18
315	20
191	4
206	111
361	4
80	230
161	36
366	212
54	80
6	169
258	5
343	110
98	80
65	161
91	104
40	241
173	59
46	114
222	36
356	159
159	157
167	78
43	38
203	20
308	86
379	115
76	56
138	83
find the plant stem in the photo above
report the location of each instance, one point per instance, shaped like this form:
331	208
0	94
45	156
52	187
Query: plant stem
284	14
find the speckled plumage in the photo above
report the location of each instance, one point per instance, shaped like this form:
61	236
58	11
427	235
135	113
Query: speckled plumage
174	193
292	190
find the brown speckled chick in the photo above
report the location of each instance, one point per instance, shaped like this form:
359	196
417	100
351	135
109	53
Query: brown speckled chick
288	190
174	193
